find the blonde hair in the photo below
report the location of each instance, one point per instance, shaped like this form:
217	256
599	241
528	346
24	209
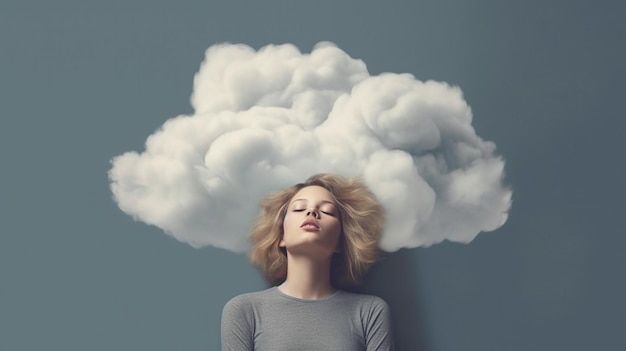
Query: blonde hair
362	220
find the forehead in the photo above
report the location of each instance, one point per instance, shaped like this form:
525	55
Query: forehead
314	193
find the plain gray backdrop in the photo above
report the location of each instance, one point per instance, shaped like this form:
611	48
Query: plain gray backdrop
83	81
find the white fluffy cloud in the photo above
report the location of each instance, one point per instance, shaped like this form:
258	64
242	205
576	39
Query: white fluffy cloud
270	118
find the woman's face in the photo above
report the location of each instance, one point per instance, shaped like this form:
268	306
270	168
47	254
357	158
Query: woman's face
312	225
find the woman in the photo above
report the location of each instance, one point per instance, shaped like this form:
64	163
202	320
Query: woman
311	241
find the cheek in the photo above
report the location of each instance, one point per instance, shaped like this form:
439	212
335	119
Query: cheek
286	223
335	227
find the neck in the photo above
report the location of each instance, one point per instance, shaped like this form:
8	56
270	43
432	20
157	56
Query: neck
307	278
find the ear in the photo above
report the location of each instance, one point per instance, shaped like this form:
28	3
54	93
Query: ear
281	243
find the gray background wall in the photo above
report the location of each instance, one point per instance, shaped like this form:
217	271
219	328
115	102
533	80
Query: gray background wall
82	81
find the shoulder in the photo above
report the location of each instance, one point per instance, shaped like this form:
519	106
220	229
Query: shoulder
240	313
245	304
248	299
365	299
239	321
375	318
367	306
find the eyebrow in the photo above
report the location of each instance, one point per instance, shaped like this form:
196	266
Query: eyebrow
323	201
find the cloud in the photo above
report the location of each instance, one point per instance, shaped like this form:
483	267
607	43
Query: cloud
270	118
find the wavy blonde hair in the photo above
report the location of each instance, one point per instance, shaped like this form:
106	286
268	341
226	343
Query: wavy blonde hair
362	220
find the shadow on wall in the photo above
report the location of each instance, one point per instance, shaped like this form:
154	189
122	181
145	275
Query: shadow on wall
393	279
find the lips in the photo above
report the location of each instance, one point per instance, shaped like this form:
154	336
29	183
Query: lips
310	224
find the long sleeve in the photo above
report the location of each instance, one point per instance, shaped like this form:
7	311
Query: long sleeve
378	329
237	329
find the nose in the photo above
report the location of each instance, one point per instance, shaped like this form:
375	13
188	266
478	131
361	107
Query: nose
313	212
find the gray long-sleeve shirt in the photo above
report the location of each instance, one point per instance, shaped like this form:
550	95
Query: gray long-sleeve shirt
270	320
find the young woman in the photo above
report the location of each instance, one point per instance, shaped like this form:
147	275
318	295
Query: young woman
311	241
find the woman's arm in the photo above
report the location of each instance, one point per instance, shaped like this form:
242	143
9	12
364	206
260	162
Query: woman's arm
237	325
378	332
